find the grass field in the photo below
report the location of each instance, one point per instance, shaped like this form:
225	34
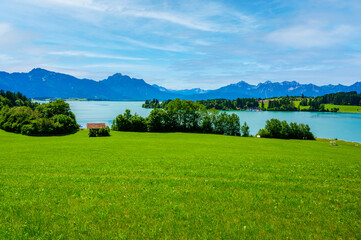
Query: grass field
177	186
344	108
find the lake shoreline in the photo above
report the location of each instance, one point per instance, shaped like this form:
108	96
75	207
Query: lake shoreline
329	125
273	111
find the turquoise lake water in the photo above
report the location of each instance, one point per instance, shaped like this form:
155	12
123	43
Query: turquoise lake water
345	126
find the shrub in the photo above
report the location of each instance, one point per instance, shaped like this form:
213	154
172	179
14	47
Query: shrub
122	122
93	132
27	129
138	124
104	132
20	115
64	124
245	130
101	132
156	121
129	122
264	133
207	125
276	129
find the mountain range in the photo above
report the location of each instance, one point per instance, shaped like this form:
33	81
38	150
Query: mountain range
41	83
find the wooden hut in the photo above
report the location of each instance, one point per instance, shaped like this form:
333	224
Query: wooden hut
95	125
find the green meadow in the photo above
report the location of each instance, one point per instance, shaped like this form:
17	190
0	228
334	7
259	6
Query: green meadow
344	108
177	186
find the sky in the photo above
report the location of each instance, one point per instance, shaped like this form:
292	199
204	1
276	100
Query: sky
185	44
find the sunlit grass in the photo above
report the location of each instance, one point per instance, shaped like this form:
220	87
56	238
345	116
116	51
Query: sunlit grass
344	108
177	186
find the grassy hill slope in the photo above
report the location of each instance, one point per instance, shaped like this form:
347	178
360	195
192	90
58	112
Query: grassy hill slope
174	185
344	108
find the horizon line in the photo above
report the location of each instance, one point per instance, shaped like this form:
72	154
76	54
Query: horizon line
183	88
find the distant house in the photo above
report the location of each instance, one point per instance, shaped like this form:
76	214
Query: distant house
266	101
95	125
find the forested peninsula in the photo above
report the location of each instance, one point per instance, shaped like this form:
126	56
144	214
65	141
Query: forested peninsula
333	102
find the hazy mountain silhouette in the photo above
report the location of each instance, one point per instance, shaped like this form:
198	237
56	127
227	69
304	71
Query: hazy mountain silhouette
41	83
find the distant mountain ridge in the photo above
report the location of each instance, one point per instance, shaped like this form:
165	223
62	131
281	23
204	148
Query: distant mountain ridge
41	83
186	92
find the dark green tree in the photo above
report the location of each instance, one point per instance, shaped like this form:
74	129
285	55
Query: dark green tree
245	130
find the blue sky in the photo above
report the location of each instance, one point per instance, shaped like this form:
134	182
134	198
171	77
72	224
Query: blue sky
185	44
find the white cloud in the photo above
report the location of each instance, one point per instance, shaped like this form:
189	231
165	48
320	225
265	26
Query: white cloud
203	16
6	59
4	29
185	21
349	60
198	15
10	36
171	48
94	55
308	36
146	67
85	4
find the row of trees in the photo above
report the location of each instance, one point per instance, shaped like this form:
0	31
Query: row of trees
189	116
281	104
18	114
155	103
218	104
11	99
180	116
287	104
341	98
237	104
315	105
276	104
212	121
281	129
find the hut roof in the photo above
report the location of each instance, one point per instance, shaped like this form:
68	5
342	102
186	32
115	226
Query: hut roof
95	125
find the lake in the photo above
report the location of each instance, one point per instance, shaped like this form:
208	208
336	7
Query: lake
345	126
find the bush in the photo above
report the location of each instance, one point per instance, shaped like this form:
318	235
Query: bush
207	125
12	119
276	129
49	110
264	133
93	132
52	118
138	124
104	132
99	132
156	121
43	127
245	130
122	122
129	122
28	129
64	124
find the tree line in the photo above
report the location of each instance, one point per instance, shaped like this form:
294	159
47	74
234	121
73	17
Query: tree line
12	99
20	115
341	98
281	104
218	104
188	116
286	103
228	105
180	116
155	103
